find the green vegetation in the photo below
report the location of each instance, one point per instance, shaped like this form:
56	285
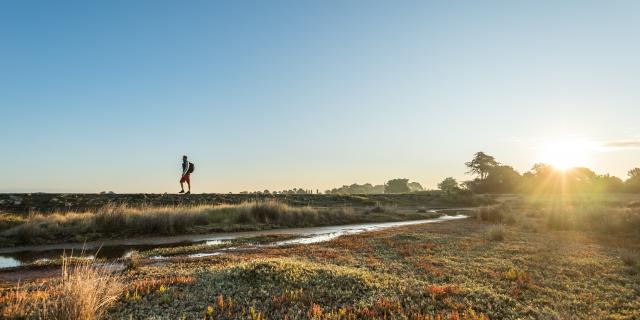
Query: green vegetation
449	185
355	188
393	186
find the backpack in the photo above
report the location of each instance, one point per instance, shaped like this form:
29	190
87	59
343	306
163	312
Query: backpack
191	168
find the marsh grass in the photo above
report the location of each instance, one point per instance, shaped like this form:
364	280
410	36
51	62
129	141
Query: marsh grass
84	292
497	214
122	220
583	214
630	257
599	218
496	232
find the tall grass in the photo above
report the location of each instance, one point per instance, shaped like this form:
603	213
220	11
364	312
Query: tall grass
593	218
496	232
603	217
84	292
497	214
168	220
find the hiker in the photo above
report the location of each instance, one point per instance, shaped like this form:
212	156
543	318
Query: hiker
187	169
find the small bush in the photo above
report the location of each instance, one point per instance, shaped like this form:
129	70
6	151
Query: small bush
630	258
132	261
378	209
496	233
491	214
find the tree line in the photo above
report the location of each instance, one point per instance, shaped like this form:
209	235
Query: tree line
491	176
494	177
398	185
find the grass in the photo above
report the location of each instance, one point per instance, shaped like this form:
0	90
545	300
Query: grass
585	214
122	220
83	292
630	257
447	270
496	233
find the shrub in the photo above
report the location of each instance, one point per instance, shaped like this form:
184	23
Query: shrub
378	209
496	233
493	214
630	258
132	260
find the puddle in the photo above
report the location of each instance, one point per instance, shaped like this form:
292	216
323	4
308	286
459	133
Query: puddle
113	249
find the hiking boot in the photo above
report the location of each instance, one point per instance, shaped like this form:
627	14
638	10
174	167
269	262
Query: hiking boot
188	192
181	191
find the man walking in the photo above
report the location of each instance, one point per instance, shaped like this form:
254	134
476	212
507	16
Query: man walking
187	169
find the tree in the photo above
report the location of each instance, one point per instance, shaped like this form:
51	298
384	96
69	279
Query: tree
633	183
481	164
397	186
498	179
449	185
415	186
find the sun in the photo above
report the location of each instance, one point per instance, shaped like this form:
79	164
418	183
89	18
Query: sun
564	155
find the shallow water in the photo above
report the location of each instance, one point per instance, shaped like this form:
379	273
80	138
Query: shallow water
113	249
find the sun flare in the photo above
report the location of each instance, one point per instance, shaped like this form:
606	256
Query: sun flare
565	155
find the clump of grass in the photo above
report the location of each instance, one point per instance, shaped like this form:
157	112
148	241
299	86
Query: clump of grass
629	257
84	292
496	214
378	209
496	232
132	260
9	220
15	304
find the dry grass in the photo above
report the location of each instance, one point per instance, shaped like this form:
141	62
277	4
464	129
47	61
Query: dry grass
600	218
113	220
630	257
497	214
496	232
84	292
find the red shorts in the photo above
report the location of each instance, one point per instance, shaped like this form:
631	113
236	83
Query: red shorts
186	178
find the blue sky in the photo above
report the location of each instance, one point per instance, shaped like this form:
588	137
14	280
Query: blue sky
280	94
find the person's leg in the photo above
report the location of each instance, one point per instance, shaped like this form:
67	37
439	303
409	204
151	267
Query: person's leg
182	184
188	179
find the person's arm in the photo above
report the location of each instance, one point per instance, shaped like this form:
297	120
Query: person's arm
185	167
